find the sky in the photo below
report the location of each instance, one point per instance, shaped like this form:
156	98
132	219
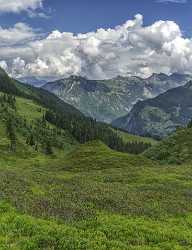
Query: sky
51	39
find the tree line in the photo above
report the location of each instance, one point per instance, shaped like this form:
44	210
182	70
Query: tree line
37	133
87	129
40	136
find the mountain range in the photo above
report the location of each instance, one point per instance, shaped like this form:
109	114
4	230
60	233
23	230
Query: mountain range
107	100
64	185
160	116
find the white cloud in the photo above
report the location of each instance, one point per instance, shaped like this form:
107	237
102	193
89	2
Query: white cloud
20	33
130	48
17	6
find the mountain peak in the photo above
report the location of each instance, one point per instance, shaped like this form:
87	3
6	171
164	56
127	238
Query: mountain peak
189	85
77	78
160	76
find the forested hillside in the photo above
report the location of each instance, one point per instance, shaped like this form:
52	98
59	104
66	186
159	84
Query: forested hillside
159	117
64	116
175	149
63	188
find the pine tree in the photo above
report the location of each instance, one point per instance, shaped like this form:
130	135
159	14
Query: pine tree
189	124
48	148
31	140
10	129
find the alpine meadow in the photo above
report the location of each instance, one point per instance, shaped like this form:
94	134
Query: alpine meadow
95	125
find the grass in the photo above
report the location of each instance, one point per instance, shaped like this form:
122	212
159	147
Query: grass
176	149
105	231
115	203
28	109
91	197
134	138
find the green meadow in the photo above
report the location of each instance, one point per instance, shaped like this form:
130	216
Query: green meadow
88	196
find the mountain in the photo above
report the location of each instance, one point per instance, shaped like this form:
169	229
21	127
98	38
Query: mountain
158	117
63	116
34	81
106	100
62	187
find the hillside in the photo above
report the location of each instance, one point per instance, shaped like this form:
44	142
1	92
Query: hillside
134	138
61	190
176	149
66	117
106	100
158	117
43	97
22	125
94	198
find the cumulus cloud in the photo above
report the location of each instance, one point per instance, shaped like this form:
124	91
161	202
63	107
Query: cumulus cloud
17	6
130	48
20	33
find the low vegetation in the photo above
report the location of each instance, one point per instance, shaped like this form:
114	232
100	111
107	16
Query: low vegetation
59	191
176	149
93	198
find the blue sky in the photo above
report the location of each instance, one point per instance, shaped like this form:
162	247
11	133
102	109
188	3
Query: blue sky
87	15
43	38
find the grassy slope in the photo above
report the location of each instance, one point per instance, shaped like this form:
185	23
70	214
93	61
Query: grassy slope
177	148
90	197
29	110
110	232
94	198
134	138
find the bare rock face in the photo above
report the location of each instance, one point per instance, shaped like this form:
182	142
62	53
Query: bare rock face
160	116
107	100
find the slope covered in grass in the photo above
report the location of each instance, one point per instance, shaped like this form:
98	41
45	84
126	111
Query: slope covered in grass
66	117
86	196
95	155
177	148
94	198
134	138
31	131
21	232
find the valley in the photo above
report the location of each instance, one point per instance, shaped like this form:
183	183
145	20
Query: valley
107	100
159	116
95	125
72	189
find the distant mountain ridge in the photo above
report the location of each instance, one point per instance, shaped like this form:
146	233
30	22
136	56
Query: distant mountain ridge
33	81
159	117
107	100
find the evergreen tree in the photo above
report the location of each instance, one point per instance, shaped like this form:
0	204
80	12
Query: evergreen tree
48	148
10	129
31	140
189	124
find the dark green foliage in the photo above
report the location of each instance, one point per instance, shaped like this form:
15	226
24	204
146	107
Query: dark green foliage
66	117
37	133
7	85
88	197
189	124
176	149
48	148
11	133
87	129
30	140
47	100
